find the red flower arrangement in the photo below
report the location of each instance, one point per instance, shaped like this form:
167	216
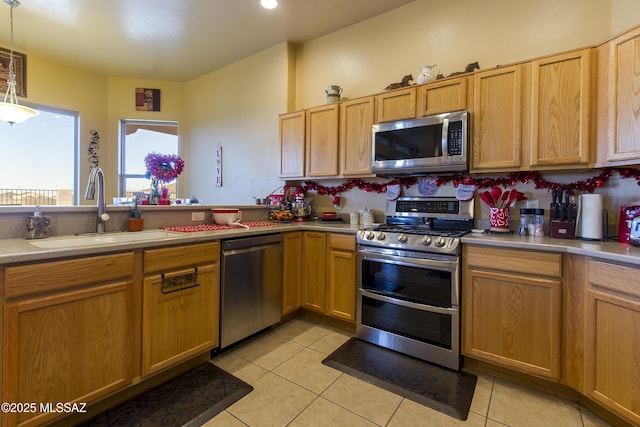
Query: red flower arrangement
163	167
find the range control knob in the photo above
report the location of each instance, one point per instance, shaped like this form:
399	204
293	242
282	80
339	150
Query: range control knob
370	235
381	236
440	242
402	238
426	240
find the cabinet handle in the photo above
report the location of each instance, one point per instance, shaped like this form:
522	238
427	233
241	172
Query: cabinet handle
179	283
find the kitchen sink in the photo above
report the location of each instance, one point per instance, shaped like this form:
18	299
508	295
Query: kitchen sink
102	239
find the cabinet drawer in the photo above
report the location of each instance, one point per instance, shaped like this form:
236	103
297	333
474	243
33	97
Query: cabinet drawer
516	261
34	278
342	241
166	259
616	277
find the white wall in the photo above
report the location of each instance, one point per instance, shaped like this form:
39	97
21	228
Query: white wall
366	57
236	106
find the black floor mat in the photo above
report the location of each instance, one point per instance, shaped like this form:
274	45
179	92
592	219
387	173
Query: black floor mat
442	389
190	399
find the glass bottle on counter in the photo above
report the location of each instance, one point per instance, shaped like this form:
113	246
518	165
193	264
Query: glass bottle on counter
525	220
539	222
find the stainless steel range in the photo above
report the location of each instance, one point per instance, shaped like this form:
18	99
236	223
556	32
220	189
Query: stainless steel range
409	278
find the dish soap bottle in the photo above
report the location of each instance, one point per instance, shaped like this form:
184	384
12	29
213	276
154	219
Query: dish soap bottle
37	225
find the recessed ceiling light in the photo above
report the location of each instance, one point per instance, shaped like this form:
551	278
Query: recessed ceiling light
269	4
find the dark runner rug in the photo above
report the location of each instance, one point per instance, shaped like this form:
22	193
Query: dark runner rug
190	399
442	389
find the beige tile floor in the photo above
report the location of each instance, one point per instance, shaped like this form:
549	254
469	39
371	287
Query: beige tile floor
293	388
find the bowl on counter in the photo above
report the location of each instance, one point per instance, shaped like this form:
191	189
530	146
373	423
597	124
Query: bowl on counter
226	216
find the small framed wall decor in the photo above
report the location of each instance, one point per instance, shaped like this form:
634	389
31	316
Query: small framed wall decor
19	67
147	99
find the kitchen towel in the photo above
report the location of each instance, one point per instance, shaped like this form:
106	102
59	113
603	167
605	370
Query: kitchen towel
590	220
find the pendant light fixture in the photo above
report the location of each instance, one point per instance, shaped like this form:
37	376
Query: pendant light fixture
10	111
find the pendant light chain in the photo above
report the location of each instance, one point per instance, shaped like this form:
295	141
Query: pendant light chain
11	82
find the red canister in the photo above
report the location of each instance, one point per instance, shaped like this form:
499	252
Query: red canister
627	213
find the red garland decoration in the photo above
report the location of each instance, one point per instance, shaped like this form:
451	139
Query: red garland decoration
588	185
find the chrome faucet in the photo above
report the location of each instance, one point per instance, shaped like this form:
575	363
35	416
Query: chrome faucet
96	178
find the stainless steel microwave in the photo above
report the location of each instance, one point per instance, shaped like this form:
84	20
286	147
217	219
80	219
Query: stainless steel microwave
437	143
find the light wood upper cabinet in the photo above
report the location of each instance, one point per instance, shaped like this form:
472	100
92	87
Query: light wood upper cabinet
68	344
511	309
619	98
397	104
560	110
322	141
443	96
612	352
497	119
356	121
292	145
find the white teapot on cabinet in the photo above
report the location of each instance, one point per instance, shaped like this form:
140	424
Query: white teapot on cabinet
428	73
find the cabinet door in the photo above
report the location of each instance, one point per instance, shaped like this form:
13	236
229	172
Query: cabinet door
612	352
341	277
292	146
314	270
442	97
497	119
322	141
68	347
396	105
621	79
179	318
513	321
356	121
560	111
292	272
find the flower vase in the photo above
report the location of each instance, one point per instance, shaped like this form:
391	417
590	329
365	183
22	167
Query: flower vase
164	200
155	192
499	219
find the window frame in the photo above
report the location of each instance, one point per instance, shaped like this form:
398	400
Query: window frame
76	145
122	175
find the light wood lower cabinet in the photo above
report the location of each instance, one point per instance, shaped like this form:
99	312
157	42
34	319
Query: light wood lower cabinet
612	353
292	272
180	305
511	309
71	343
329	274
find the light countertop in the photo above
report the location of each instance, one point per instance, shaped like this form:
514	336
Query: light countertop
608	250
22	250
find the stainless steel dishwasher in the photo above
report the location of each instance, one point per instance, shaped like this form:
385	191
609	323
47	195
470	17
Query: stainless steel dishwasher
251	292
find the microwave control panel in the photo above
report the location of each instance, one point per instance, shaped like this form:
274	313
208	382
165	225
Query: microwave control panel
455	139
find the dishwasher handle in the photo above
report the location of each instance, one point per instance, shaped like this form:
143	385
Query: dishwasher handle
251	242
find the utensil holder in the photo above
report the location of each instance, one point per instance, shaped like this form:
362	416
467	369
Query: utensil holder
499	219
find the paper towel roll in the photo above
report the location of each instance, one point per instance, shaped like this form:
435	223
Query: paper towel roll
590	216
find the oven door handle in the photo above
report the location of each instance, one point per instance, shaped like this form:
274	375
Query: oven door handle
415	262
409	304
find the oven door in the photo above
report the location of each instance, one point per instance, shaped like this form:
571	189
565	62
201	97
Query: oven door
423	278
410	304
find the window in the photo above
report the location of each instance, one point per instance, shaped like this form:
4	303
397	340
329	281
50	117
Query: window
39	159
137	139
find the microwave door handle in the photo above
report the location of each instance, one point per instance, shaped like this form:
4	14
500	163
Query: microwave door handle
445	139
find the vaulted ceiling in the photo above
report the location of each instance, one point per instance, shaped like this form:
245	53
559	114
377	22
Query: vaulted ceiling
172	40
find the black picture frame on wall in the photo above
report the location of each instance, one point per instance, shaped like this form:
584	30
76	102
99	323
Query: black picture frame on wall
19	67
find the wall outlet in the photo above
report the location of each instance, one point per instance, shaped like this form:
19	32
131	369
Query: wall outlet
197	216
